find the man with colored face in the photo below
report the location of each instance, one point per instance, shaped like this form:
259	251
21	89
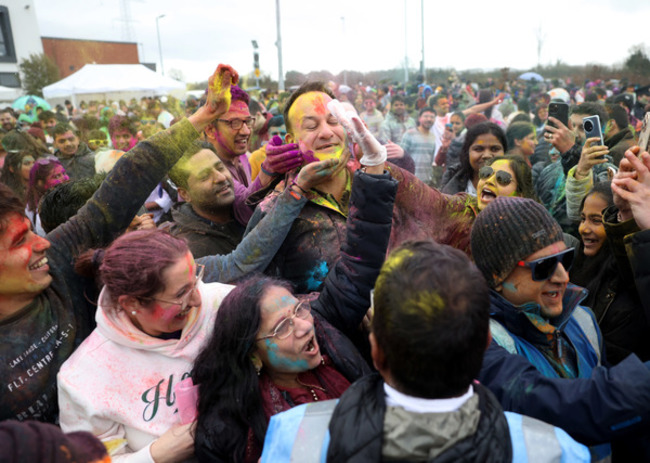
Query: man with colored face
229	135
205	218
546	358
75	156
46	308
312	247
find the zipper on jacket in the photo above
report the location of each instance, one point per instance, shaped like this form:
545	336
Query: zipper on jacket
558	345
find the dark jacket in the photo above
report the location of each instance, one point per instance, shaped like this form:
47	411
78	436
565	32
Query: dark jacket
81	164
313	245
638	251
38	339
457	183
550	187
610	403
619	143
205	238
613	295
356	428
344	301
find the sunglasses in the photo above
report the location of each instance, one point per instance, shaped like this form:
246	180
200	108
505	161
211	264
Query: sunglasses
542	269
98	142
503	178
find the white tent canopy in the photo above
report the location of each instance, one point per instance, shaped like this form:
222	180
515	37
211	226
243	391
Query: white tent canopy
112	81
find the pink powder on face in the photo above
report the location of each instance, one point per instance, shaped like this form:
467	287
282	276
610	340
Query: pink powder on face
319	104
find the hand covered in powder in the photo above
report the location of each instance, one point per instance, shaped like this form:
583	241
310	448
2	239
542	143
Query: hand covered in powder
218	98
374	153
315	172
281	158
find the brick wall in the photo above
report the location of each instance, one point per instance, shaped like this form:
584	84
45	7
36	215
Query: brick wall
71	55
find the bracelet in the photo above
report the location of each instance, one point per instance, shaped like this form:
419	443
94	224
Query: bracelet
305	192
270	174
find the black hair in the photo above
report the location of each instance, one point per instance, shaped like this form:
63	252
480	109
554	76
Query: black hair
591	109
64	200
472	134
60	129
619	115
523	175
228	382
519	131
431	319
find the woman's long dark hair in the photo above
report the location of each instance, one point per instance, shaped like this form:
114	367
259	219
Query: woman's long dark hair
472	134
11	172
588	271
228	383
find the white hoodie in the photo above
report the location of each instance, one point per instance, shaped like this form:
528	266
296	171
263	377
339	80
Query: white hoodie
119	383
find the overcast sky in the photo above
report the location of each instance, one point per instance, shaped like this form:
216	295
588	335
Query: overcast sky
361	35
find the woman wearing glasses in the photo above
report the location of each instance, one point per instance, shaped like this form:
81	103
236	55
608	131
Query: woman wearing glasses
276	351
154	316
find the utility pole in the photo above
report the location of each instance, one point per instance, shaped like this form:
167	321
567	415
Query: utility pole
345	72
406	60
278	44
162	66
422	68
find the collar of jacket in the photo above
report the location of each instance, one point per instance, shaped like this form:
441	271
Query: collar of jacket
527	321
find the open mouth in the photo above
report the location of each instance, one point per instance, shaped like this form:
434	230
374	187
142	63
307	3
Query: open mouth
40	263
310	347
487	195
589	241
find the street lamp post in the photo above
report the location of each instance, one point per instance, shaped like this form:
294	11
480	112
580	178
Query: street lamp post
162	66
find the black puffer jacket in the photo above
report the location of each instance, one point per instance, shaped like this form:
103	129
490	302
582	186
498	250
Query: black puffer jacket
356	428
613	295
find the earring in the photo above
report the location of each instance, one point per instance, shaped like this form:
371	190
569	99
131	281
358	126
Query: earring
133	313
257	364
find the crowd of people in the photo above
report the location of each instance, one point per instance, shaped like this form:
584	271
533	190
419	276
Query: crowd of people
442	272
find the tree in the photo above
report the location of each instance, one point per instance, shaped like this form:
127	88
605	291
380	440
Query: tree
638	62
176	74
37	72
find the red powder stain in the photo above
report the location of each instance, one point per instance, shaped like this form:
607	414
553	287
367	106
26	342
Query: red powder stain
319	104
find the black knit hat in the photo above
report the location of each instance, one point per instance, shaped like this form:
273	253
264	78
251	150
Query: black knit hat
508	230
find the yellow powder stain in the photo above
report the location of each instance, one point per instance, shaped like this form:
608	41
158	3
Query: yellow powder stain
220	86
428	303
395	259
114	445
325	156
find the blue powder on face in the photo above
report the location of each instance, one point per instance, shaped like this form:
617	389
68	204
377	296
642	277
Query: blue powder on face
510	287
316	276
283	363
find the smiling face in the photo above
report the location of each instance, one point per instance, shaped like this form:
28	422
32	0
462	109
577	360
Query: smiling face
24	272
520	288
283	359
164	313
314	127
485	147
442	106
7	121
591	229
229	142
209	184
489	189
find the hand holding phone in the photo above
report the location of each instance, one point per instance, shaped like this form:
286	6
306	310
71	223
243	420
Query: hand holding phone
592	127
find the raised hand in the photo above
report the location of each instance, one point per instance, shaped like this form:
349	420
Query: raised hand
591	156
374	153
634	188
218	98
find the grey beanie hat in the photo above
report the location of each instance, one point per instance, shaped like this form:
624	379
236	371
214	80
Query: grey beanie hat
507	231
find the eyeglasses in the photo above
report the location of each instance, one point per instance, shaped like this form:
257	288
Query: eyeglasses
542	269
147	121
185	299
285	327
98	142
236	124
27	161
503	178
